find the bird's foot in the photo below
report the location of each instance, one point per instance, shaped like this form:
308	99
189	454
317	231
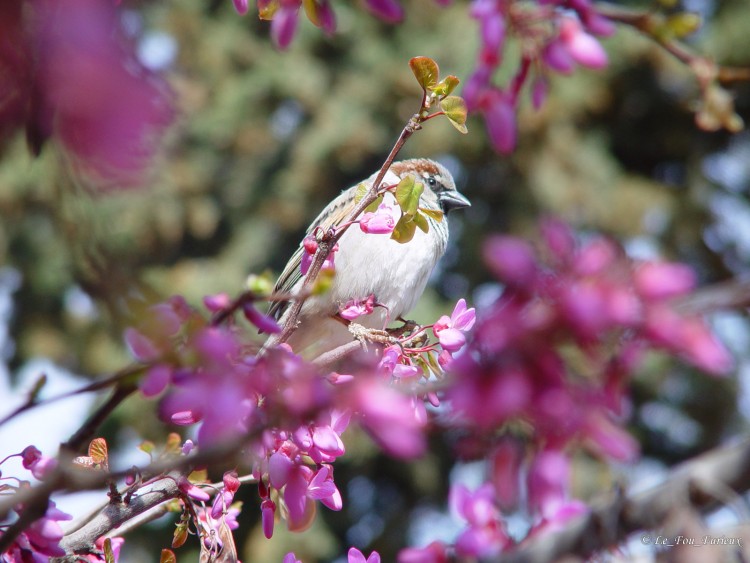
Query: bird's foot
365	335
410	334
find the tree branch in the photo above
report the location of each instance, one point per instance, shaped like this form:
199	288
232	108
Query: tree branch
691	484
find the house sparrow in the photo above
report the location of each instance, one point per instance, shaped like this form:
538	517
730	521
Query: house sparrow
371	264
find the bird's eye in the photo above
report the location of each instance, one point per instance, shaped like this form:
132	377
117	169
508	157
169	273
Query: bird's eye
432	181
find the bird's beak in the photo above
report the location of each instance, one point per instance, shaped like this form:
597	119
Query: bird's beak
450	200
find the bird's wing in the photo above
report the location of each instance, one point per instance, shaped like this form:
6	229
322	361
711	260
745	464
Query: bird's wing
334	214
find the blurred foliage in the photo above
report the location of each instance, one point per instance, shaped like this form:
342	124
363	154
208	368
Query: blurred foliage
265	139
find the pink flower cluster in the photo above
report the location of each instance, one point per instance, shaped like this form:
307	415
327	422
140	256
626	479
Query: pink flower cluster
564	297
89	91
287	415
41	540
284	15
555	36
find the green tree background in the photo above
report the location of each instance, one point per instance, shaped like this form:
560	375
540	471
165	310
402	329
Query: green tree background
264	139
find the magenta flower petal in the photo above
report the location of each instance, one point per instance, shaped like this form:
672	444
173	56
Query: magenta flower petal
452	339
240	6
284	26
155	381
387	10
500	119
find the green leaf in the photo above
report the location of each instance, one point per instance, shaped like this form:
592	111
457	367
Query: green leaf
260	284
323	282
373	207
455	110
404	231
426	72
446	85
683	24
361	192
421	222
147	446
435	214
408	192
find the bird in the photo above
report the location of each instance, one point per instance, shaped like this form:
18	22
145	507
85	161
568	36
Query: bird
369	264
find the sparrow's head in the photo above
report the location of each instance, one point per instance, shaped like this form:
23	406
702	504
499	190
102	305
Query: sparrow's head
440	188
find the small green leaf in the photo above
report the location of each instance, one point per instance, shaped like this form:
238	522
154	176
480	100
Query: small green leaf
361	192
422	222
408	192
446	85
404	231
435	214
683	24
455	110
323	282
426	72
260	284
373	207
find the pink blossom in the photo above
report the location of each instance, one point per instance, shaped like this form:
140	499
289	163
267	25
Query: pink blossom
356	556
585	49
41	539
97	99
291	558
511	259
387	10
155	380
225	496
662	280
268	512
450	330
263	322
215	303
284	23
548	479
485	535
505	469
310	246
382	221
355	308
388	417
40	465
240	6
500	119
436	552
191	490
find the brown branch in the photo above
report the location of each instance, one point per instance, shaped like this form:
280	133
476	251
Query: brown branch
722	296
87	431
332	356
691	484
646	22
114	515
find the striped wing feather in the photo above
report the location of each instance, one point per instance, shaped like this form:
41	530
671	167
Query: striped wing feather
335	214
